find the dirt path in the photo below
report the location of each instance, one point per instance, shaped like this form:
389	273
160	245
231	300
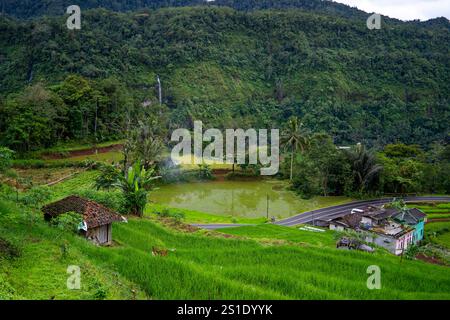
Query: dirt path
432	260
83	152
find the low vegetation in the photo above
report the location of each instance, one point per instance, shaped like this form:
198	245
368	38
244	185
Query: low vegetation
355	122
261	262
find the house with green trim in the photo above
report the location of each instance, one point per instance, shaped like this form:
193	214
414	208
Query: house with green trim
413	218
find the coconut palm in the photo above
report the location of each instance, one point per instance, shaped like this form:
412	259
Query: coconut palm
295	137
364	166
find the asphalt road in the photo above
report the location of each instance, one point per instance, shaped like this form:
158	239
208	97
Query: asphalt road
326	213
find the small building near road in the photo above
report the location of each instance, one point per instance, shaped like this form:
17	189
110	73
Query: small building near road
393	236
414	218
391	228
97	219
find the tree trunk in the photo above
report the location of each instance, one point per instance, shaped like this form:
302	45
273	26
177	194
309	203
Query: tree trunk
292	162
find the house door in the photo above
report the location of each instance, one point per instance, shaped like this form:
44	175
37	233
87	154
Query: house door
103	234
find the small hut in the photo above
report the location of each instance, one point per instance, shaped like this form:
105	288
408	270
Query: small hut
97	219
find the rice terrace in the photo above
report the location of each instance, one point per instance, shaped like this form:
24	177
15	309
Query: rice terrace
337	187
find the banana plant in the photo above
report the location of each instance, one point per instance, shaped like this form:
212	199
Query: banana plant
135	185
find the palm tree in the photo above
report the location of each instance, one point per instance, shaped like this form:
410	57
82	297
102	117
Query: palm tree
295	137
364	166
146	144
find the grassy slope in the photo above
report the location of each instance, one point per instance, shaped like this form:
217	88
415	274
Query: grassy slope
205	265
269	232
257	262
439	233
81	181
40	270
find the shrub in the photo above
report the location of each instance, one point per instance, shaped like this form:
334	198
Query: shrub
163	213
101	293
240	175
7	192
69	221
204	172
178	215
8	250
6	156
170	213
114	199
36	196
109	175
412	251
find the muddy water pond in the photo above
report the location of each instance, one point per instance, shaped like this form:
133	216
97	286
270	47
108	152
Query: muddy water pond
240	198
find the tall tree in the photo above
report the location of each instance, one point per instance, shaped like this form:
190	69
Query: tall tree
295	137
144	145
365	168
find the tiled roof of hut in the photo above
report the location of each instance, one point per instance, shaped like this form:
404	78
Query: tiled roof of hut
94	214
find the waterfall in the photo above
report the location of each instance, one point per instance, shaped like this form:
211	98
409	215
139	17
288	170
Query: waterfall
159	90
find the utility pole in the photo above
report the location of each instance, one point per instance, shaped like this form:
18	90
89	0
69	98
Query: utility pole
232	202
267	207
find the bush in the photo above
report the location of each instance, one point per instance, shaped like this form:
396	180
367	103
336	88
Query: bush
109	175
178	175
204	172
101	293
6	156
36	196
412	251
7	192
114	199
305	187
8	250
240	175
69	221
170	213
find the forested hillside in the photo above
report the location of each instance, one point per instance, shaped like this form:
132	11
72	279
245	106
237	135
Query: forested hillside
229	68
35	8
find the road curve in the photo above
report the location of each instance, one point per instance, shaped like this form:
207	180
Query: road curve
329	212
336	211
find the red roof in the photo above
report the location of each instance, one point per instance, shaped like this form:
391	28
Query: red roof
94	214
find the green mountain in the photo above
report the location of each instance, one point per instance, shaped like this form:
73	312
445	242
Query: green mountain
35	8
242	67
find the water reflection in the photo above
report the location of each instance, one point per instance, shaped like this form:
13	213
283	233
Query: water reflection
237	198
